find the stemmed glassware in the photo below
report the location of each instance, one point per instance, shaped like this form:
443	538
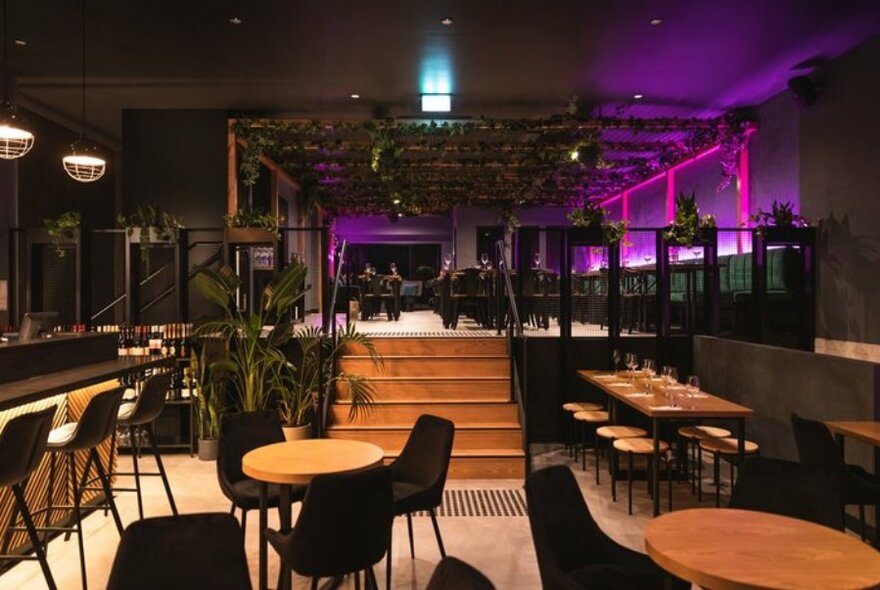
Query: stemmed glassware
615	356
393	267
693	385
536	260
670	377
650	369
447	262
632	361
484	259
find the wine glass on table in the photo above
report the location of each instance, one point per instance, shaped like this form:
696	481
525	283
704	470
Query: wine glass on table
650	369
693	385
632	361
393	267
536	260
484	259
615	356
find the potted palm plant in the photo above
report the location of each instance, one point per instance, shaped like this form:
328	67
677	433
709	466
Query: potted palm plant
300	388
209	405
254	361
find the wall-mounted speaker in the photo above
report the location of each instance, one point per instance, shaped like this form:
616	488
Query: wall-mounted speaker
804	91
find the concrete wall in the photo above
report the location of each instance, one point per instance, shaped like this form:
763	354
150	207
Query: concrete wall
778	381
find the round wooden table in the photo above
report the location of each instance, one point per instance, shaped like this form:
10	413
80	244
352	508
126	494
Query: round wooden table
298	462
726	549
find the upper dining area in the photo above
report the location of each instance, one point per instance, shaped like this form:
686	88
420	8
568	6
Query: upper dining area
439	295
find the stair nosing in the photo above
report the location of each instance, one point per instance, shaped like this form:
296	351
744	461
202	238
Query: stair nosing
385	357
408	427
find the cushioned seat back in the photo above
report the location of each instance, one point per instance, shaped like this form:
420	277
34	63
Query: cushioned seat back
181	553
151	399
791	489
424	459
454	574
740	274
724	274
98	420
782	270
239	434
22	444
816	446
344	525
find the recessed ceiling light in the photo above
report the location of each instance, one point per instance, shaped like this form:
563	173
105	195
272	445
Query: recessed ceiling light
235	20
656	21
638	96
396	201
355	95
446	21
20	42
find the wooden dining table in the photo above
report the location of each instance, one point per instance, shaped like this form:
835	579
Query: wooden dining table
654	404
298	462
728	549
866	431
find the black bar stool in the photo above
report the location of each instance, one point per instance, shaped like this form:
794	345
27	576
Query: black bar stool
22	445
97	423
143	412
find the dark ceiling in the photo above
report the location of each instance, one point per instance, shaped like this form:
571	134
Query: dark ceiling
501	57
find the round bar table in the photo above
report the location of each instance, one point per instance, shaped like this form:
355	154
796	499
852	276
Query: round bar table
297	462
727	549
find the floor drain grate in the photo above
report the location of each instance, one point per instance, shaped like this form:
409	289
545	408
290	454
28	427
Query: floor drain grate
489	502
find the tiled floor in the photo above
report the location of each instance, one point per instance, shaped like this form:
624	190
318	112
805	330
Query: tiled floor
499	546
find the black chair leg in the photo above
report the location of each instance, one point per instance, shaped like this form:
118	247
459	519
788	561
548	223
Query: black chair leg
717	468
596	449
357	575
71	466
612	461
135	451
108	491
243	522
50	501
110	465
412	547
669	480
584	447
388	558
699	473
862	532
314	583
371	576
232	510
21	506
437	532
162	474
630	477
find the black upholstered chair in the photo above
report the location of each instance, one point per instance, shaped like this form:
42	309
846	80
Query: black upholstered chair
419	476
22	445
573	552
141	413
454	574
96	424
816	447
181	553
239	434
791	489
344	526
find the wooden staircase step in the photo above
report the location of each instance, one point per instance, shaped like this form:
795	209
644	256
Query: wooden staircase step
435	388
482	463
428	366
433	346
467	436
408	413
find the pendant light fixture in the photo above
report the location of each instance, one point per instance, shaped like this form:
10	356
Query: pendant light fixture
84	163
15	139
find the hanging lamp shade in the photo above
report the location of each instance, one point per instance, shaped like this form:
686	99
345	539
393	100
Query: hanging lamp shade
84	162
15	139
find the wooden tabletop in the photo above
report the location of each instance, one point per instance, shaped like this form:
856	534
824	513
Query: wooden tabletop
656	404
299	461
725	549
866	430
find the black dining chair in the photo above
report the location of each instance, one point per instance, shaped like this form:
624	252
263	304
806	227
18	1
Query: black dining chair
419	476
573	552
22	446
239	434
181	553
454	574
816	447
343	528
791	489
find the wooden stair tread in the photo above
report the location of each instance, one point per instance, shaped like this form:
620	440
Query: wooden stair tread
427	402
465	453
392	357
459	426
444	378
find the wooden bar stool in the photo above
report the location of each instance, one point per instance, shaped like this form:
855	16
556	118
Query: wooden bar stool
692	436
725	448
644	447
611	434
594	418
569	424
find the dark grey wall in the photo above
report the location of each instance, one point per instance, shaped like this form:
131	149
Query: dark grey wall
839	183
176	160
778	381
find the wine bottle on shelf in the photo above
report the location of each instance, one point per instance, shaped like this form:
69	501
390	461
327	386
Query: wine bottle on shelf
184	341
121	348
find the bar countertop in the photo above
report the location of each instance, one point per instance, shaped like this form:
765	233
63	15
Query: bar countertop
23	391
55	339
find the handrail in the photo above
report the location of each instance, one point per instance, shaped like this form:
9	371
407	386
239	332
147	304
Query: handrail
517	347
325	408
335	291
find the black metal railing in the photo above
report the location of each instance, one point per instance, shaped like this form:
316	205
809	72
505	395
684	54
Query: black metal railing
329	317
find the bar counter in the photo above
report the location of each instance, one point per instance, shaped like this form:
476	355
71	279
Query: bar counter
64	371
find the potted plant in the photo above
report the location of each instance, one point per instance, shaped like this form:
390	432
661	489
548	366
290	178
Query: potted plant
300	387
148	226
251	226
254	360
63	229
209	405
688	226
781	223
592	216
